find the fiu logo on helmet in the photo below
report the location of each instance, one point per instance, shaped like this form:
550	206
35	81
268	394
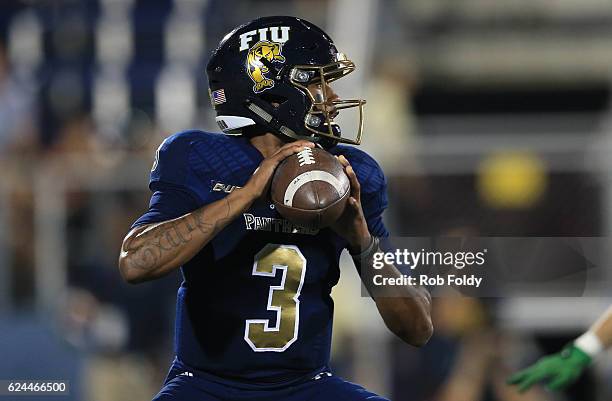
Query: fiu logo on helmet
269	48
269	51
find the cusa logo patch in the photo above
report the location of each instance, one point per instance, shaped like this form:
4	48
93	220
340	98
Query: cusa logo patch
216	186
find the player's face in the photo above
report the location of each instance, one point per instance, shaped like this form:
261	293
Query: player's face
326	97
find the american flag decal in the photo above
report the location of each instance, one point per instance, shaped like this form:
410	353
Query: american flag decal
218	97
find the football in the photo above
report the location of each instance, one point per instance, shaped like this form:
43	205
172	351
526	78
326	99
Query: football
310	188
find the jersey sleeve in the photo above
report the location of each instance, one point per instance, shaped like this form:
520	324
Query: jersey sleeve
166	204
373	190
176	188
374	204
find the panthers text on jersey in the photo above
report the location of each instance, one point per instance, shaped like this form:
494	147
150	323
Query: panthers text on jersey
255	302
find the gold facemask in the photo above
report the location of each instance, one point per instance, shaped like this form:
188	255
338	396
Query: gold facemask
323	110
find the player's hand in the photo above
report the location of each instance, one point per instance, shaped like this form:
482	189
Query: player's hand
558	370
352	224
259	183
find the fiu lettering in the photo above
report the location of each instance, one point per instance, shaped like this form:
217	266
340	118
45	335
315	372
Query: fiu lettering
276	34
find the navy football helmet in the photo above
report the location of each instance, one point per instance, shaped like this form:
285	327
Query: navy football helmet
259	77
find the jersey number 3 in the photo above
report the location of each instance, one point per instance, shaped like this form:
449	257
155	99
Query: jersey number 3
282	299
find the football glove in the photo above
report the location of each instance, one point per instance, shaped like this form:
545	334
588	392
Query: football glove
559	370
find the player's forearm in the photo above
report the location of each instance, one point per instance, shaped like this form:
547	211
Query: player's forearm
603	329
598	338
154	250
406	310
602	332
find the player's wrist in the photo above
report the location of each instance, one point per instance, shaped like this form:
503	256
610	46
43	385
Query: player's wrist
573	357
244	196
589	344
360	244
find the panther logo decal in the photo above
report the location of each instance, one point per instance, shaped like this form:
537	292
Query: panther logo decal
256	69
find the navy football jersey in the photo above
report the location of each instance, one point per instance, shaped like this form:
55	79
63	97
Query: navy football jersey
255	302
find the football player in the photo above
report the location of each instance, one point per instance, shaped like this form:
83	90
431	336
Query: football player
254	312
562	369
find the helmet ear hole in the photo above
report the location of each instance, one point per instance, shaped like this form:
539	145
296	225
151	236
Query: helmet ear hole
312	46
274	100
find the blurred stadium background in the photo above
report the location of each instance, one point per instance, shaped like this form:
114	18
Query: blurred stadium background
489	118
